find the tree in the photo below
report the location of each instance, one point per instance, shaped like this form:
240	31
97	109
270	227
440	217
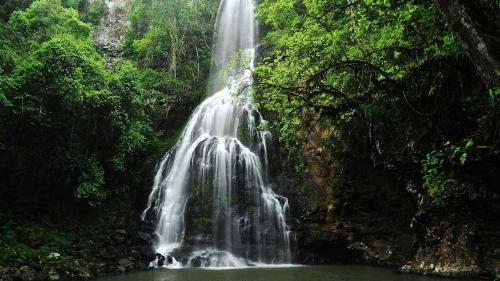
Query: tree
170	40
70	126
472	39
386	79
337	61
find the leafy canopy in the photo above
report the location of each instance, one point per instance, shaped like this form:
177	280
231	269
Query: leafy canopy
70	125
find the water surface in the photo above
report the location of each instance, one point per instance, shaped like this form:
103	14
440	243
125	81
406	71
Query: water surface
295	273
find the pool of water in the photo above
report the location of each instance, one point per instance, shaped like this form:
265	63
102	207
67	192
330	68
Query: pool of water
290	273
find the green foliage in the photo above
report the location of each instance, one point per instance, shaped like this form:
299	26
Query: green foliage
382	83
436	178
336	58
4	101
170	40
70	125
45	18
494	93
19	244
62	244
9	6
92	12
71	3
441	167
170	140
73	127
91	182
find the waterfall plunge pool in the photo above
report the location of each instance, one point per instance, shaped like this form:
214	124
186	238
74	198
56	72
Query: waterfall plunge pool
274	273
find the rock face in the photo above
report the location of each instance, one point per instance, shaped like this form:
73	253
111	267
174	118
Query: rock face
113	25
367	221
27	274
124	247
353	212
461	238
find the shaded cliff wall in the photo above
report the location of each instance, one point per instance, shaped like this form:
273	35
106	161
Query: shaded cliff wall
353	212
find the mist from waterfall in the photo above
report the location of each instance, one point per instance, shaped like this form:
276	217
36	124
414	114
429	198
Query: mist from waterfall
211	199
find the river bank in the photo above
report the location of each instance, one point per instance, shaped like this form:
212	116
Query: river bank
73	248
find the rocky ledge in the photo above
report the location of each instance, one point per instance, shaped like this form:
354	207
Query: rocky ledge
369	215
123	245
458	237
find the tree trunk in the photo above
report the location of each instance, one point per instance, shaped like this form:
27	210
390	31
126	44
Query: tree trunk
474	44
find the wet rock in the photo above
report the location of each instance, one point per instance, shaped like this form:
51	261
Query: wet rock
140	265
196	261
102	253
120	235
101	266
5	274
121	232
160	259
144	236
53	275
145	227
54	256
27	274
169	259
459	238
95	252
147	253
121	268
84	273
119	238
126	262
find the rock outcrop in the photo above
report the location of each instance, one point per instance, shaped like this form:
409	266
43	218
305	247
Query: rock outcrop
110	32
116	247
460	237
354	213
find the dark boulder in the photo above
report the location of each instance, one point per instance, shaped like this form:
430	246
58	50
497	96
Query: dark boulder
196	261
160	259
169	259
27	274
144	236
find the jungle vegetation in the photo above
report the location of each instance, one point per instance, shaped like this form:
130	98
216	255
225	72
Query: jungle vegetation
400	83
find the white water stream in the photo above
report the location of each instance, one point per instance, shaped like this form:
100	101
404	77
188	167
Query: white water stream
211	199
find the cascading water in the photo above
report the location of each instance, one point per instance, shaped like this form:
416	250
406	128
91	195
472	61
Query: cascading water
211	199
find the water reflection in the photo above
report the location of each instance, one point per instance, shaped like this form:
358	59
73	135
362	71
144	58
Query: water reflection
297	273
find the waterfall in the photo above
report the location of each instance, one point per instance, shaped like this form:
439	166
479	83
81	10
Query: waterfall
211	198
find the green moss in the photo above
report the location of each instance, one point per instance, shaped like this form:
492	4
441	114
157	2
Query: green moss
63	244
24	242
